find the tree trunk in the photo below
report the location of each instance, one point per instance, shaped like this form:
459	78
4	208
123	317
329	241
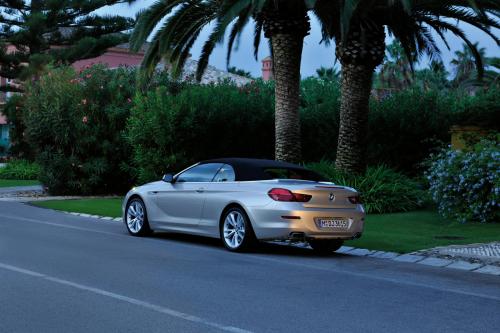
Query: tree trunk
287	54
355	96
359	54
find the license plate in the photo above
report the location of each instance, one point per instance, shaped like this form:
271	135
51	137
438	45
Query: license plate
333	223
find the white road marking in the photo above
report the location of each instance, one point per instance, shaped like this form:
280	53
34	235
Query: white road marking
25	219
123	298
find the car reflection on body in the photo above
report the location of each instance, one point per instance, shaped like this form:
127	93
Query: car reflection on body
242	201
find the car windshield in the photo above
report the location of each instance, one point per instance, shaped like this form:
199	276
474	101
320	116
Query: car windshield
290	173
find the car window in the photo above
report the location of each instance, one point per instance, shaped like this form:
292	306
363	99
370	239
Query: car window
201	173
225	174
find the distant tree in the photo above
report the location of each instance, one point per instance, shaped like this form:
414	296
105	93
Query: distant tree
328	74
464	63
396	71
36	33
239	72
434	77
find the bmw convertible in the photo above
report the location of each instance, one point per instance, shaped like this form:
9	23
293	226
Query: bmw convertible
242	201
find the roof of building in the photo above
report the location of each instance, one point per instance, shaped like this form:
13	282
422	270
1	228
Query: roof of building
212	74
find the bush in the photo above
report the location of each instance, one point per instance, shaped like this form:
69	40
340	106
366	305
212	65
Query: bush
466	184
169	131
74	123
382	189
20	169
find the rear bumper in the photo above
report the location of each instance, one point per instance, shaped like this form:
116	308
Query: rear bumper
270	223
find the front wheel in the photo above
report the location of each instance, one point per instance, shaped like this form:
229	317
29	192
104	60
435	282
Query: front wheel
236	231
325	246
136	218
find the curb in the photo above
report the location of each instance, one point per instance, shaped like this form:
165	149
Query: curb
428	260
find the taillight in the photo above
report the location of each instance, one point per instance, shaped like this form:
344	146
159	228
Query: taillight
282	194
355	200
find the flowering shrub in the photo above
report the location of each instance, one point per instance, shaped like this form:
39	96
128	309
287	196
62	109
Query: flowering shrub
74	123
466	184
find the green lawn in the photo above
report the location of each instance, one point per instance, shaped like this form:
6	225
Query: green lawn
16	182
400	232
103	207
407	232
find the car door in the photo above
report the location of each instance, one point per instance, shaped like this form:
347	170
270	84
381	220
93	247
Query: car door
218	193
181	204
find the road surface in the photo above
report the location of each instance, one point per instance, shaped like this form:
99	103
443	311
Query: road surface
63	273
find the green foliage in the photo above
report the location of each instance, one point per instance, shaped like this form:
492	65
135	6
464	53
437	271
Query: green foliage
466	184
168	131
19	147
74	123
20	169
319	116
382	189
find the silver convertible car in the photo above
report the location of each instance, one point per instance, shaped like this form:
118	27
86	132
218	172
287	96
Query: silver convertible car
242	201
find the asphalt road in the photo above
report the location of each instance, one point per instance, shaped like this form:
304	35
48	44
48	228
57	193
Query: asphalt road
61	273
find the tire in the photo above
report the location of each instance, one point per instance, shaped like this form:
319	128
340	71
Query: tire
136	218
243	238
325	246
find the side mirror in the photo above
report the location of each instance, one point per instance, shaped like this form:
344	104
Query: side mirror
168	178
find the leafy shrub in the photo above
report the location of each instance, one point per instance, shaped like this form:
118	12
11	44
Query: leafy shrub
20	169
74	123
406	127
319	116
383	190
19	147
466	184
168	131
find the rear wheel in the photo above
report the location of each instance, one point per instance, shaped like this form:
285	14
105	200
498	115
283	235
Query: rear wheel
236	231
136	218
325	246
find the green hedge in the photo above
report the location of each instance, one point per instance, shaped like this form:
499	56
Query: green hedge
103	130
167	132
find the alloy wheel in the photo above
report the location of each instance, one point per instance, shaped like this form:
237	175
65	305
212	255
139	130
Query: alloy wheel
135	217
234	229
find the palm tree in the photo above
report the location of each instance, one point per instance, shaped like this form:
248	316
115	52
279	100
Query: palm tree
358	28
328	74
396	71
284	22
435	77
463	63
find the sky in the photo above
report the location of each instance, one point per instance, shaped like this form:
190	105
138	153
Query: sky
315	54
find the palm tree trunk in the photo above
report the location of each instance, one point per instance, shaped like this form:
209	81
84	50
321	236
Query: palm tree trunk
287	54
359	54
355	96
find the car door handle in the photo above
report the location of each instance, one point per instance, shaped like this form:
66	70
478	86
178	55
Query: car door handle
200	190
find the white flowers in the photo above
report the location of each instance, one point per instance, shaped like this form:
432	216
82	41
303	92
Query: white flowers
466	184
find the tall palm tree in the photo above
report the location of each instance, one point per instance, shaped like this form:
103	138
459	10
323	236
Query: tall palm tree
463	63
284	22
396	71
328	74
358	28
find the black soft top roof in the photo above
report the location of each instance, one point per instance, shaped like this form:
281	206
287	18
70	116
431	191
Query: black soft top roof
247	169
